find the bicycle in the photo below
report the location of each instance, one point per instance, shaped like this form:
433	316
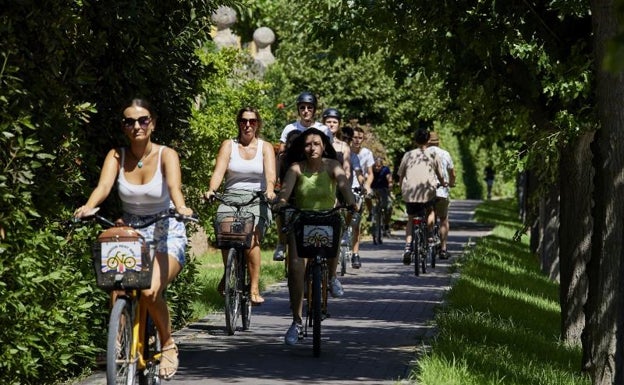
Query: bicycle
317	235
122	260
421	250
234	232
378	216
346	243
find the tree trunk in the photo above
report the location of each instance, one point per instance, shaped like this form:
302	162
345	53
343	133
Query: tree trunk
549	221
603	310
575	173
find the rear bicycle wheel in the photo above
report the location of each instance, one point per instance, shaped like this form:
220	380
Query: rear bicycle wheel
316	309
120	363
151	347
344	257
245	281
416	252
422	250
232	293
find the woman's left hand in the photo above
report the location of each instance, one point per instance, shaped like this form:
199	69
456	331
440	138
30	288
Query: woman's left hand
183	210
270	195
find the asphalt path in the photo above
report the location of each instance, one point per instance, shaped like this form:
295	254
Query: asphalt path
373	335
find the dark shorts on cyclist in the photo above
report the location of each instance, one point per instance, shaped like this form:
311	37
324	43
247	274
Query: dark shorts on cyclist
418	209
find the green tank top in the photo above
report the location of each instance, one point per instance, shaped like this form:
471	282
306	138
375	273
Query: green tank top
315	191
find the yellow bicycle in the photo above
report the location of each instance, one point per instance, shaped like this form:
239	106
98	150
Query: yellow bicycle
123	264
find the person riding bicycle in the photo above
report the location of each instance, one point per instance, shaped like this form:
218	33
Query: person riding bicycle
382	183
306	109
367	160
420	173
332	119
313	177
443	200
248	165
148	179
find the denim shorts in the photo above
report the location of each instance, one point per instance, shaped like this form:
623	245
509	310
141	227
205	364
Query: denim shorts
169	235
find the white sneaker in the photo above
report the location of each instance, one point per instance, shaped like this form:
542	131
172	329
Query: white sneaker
335	288
280	252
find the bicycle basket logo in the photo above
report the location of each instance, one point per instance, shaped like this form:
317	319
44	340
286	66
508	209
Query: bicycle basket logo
121	256
317	236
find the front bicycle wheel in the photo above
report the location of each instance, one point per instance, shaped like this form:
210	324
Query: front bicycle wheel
120	362
316	309
245	281
151	347
232	292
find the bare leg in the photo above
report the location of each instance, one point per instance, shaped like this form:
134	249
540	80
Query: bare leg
165	269
253	264
444	230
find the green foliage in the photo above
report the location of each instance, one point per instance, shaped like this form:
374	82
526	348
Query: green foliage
59	61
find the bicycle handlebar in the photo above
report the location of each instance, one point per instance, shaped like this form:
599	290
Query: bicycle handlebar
171	213
257	195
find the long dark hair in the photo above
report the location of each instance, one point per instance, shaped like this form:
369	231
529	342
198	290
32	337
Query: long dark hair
296	152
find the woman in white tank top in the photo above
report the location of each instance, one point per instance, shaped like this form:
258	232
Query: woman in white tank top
247	164
149	181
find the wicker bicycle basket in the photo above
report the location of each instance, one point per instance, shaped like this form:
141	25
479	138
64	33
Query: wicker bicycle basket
234	230
318	234
122	259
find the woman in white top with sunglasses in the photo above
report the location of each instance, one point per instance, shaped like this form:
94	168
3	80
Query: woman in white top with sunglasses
149	182
247	164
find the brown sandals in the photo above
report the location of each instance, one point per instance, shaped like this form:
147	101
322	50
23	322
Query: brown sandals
256	299
168	361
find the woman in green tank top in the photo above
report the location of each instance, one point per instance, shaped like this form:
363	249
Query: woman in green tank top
313	177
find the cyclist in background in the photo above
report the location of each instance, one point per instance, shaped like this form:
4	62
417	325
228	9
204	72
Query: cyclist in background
248	165
382	183
149	181
313	177
443	198
420	173
366	159
332	119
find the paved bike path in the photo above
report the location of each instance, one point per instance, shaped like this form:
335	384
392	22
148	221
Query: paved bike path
372	336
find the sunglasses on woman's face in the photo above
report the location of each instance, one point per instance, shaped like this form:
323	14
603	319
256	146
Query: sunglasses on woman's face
144	121
243	122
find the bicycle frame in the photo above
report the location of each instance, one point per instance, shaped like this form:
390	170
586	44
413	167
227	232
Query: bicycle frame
237	278
314	233
129	329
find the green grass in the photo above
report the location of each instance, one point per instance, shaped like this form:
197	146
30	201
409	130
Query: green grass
210	267
500	322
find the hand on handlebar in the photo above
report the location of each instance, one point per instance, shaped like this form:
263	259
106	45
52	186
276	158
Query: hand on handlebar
209	195
85	211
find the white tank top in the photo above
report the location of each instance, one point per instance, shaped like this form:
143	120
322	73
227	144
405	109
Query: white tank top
243	174
144	199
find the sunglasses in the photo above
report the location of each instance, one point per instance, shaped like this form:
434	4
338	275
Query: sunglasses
303	108
144	121
243	122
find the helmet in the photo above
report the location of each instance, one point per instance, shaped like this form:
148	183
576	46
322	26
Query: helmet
332	113
306	97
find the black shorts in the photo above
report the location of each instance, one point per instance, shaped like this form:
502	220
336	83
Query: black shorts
418	209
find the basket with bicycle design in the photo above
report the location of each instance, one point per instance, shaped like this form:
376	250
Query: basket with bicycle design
317	233
234	229
122	259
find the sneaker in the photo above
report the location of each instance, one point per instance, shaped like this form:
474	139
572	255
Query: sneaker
294	334
335	288
355	261
280	253
443	254
407	255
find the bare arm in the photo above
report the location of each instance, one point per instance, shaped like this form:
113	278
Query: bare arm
108	175
223	158
342	183
288	184
173	175
269	170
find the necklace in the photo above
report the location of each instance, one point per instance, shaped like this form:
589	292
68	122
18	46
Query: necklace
140	162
